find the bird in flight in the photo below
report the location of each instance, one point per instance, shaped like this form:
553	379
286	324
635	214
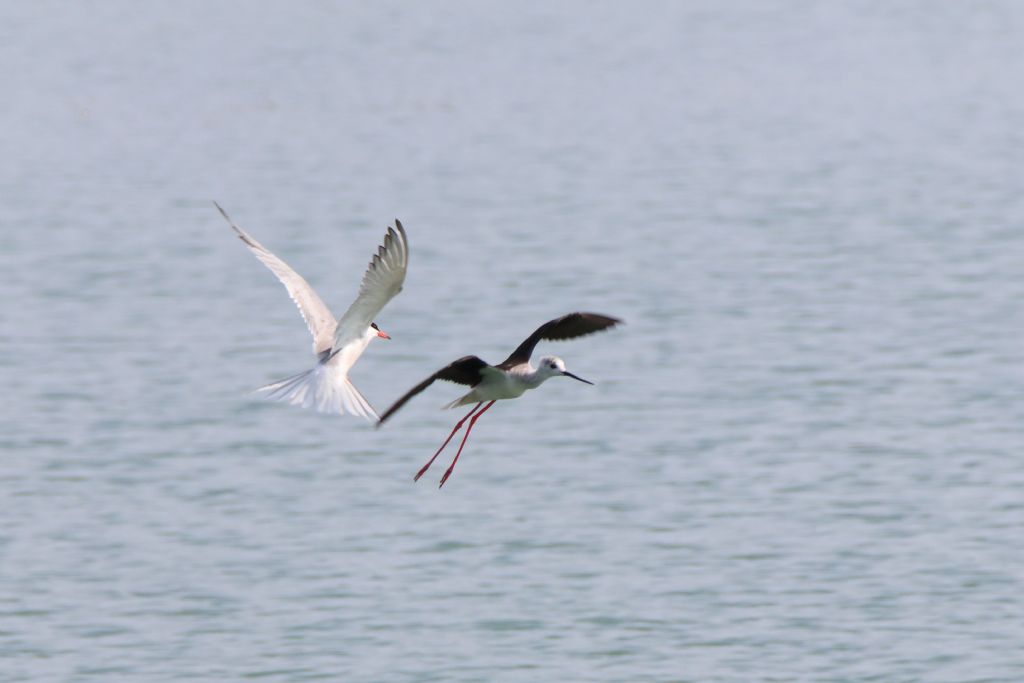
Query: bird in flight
508	379
337	344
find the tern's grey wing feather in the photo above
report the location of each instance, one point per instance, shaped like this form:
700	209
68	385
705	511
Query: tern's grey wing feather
467	370
314	311
566	327
381	282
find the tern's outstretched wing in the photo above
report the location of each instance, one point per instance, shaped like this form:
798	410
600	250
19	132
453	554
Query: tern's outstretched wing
566	327
467	370
314	311
382	281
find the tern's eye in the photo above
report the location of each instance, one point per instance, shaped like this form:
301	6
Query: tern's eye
374	326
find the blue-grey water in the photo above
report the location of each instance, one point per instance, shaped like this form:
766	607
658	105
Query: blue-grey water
803	459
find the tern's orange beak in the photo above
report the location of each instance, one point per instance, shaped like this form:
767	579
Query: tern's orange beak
383	335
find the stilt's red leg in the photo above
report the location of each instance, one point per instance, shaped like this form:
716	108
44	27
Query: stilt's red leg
472	422
457	426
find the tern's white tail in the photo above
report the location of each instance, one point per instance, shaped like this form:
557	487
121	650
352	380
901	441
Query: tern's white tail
324	387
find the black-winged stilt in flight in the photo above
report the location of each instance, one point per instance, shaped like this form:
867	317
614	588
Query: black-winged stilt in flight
508	379
336	343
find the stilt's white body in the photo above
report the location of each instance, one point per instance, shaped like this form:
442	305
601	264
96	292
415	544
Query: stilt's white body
500	384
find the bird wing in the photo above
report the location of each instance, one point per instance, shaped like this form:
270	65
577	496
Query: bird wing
381	282
314	311
566	327
467	370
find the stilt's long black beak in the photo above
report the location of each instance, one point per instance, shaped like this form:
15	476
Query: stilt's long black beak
569	374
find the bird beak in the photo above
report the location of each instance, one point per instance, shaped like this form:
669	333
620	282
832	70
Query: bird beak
569	374
383	335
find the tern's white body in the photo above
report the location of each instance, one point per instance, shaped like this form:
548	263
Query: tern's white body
347	356
326	387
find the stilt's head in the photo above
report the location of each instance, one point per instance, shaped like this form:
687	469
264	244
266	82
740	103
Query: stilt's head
553	366
375	331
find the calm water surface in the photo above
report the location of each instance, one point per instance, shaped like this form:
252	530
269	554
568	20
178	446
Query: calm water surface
802	459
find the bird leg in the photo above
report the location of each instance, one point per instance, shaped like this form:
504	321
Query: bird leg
472	422
457	427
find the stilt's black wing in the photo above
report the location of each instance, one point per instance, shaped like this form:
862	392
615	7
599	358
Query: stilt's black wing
466	370
566	327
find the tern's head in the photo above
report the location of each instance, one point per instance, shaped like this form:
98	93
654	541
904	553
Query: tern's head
553	366
375	331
